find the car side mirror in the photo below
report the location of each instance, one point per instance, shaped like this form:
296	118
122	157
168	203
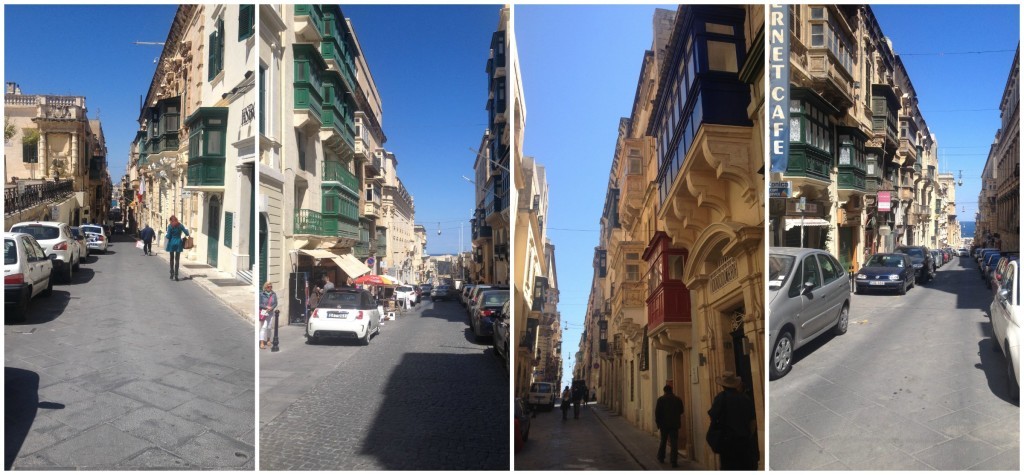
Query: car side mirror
1004	294
808	288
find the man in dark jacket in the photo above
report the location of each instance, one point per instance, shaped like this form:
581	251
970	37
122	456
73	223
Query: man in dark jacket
735	412
147	234
668	413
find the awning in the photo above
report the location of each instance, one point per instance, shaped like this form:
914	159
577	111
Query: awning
794	222
346	262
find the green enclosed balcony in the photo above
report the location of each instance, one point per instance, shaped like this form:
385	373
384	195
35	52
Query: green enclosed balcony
206	146
335	53
337	117
336	174
852	160
309	70
382	241
312	222
309	22
808	161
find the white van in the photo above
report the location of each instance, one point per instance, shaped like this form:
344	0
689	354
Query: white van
542	395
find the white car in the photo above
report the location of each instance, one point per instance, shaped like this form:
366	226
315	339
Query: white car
344	313
405	293
1005	315
83	242
97	237
55	238
27	272
542	394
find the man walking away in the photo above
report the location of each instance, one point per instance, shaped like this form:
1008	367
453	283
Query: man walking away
147	234
566	401
734	410
668	413
577	397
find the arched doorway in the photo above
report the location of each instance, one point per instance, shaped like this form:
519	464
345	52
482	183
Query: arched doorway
213	231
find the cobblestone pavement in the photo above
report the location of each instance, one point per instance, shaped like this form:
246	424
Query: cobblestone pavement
598	440
913	385
424	395
125	369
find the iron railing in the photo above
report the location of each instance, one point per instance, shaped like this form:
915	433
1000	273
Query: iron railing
20	198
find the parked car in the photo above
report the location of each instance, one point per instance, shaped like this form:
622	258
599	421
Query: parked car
501	336
344	313
981	255
808	295
464	294
405	293
441	292
991	259
962	252
1006	318
995	279
27	273
521	424
924	262
542	394
82	240
482	319
474	297
118	228
55	238
425	289
97	236
886	272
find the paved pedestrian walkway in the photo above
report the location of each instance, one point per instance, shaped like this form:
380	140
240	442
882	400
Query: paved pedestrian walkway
642	446
234	293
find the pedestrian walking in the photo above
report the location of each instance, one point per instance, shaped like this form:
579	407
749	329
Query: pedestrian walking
593	394
147	234
668	413
268	303
566	401
732	416
175	244
576	399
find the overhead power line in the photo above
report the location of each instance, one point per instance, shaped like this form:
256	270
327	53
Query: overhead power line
950	53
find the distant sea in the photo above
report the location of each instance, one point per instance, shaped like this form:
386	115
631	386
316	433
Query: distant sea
966	229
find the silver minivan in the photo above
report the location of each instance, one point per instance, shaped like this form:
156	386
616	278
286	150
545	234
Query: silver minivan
808	295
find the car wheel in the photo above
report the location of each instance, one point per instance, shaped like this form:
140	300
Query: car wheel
856	289
312	340
49	287
782	356
844	321
78	263
903	289
365	340
24	305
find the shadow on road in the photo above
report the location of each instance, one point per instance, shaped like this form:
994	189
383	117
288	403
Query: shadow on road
442	412
993	363
44	309
83	275
21	403
445	310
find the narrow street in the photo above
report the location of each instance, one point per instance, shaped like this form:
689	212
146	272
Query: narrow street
424	395
598	440
124	369
913	385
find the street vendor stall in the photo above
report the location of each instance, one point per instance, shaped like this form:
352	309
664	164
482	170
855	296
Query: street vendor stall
383	288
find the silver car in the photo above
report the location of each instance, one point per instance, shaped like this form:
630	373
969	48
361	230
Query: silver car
808	295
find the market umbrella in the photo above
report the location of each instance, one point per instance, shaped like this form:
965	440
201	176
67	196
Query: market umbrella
373	279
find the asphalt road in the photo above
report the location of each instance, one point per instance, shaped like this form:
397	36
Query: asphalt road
424	395
913	385
125	369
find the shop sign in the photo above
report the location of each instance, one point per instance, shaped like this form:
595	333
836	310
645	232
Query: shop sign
810	208
778	86
780	189
248	114
884	201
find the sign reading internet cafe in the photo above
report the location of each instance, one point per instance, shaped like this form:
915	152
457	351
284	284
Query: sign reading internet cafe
778	86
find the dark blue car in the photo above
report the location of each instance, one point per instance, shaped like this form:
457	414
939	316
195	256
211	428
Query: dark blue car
886	272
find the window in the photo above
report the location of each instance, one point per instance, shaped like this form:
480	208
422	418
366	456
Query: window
829	269
216	55
817	13
246	21
632	272
722	56
817	35
29	152
675	268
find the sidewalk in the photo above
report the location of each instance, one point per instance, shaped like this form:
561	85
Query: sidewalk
237	294
642	446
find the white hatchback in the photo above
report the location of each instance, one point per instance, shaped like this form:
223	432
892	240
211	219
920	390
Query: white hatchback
97	237
1005	314
55	238
27	273
344	313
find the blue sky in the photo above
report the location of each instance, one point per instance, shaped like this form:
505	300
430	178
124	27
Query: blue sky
577	85
947	84
430	75
88	51
577	91
433	86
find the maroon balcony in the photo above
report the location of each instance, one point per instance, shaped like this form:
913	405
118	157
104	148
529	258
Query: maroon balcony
669	299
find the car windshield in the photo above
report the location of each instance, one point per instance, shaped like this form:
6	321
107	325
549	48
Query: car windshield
340	300
540	388
884	260
10	252
92	229
404	289
38	231
779	268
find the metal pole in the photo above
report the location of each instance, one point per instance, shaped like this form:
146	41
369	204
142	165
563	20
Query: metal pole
277	315
801	229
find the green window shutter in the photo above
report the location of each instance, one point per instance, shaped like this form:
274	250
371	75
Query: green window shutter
212	63
229	219
246	21
220	45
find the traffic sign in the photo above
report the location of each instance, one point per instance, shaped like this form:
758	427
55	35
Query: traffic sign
369	261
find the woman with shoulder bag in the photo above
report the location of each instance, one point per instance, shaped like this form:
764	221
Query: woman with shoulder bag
268	303
175	244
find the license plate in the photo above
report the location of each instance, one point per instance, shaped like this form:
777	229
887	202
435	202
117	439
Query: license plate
341	315
878	283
